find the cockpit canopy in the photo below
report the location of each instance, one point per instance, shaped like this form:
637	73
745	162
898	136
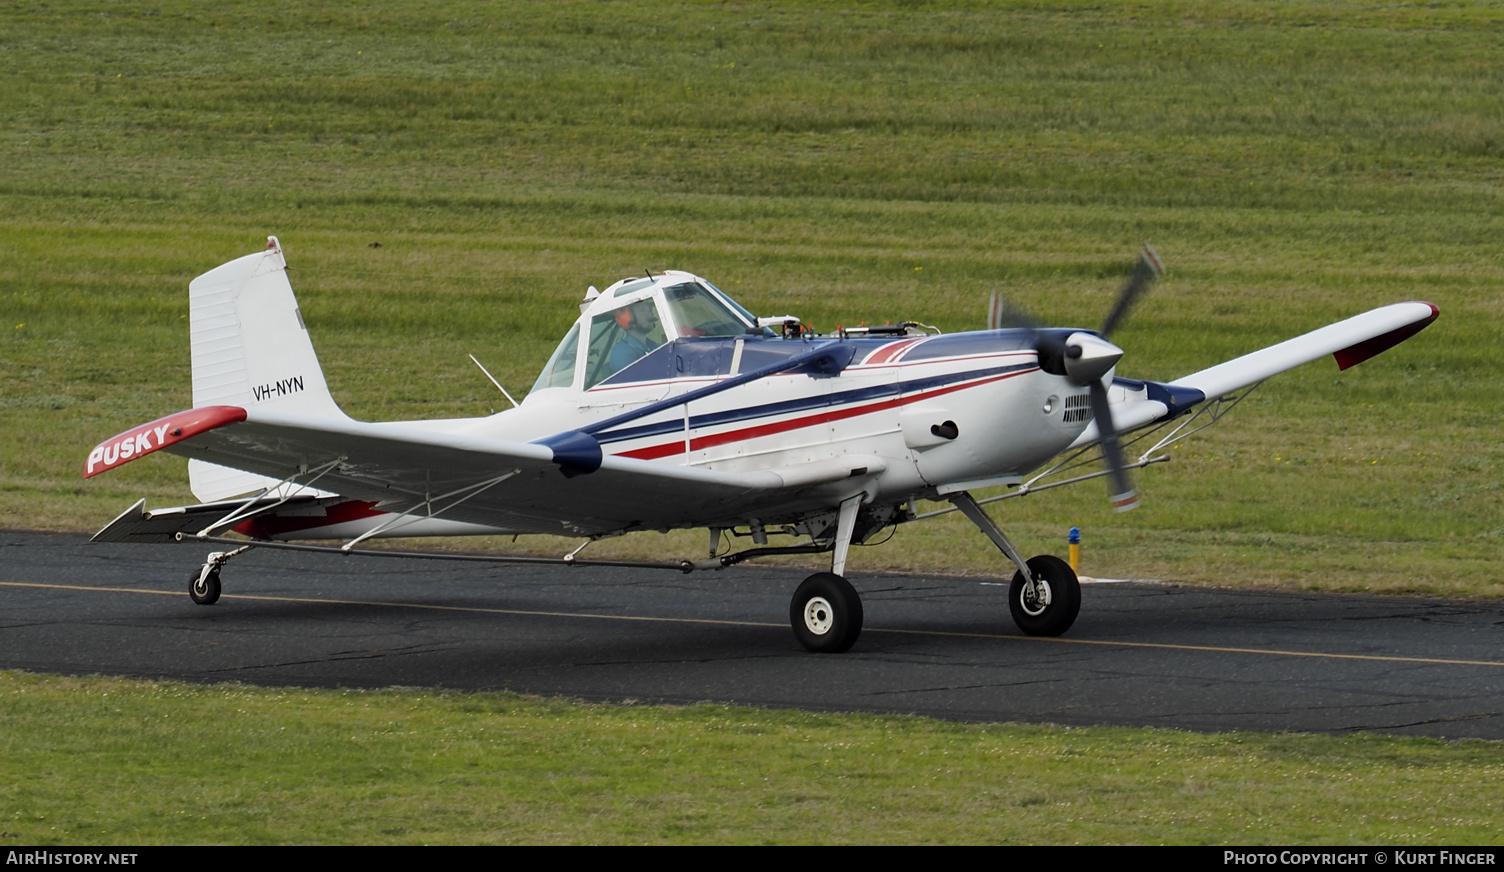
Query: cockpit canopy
626	321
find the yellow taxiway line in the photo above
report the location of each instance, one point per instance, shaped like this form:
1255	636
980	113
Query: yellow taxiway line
1216	649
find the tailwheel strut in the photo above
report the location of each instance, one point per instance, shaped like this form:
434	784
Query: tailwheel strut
204	586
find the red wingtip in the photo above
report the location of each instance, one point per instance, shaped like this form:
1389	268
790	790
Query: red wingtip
146	438
1356	354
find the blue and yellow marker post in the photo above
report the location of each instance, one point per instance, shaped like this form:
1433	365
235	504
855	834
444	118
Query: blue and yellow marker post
1075	541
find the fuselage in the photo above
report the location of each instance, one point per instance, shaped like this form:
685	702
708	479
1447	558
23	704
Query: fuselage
919	414
941	410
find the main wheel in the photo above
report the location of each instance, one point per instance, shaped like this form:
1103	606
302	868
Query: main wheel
1051	610
204	588
826	613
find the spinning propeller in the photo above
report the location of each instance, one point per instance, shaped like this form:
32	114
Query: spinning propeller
1085	359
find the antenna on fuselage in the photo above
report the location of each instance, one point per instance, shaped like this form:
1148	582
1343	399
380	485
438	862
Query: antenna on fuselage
494	381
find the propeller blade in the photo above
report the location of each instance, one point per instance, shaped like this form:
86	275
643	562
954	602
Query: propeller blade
1086	359
1120	490
1001	314
1144	273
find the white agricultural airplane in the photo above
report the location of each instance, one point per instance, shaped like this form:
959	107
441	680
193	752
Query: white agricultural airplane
668	405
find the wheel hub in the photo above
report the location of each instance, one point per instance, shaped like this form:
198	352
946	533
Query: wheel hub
819	616
1035	598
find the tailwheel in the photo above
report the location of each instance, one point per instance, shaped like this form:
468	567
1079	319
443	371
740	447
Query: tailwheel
203	586
826	613
1049	606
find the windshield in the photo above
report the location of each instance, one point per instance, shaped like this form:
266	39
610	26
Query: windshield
700	313
741	310
559	372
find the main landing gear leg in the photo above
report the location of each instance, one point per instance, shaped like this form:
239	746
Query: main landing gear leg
1045	595
826	611
203	586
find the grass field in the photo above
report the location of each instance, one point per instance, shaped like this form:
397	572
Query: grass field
1293	163
107	761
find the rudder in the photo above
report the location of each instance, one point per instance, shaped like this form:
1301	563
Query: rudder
251	349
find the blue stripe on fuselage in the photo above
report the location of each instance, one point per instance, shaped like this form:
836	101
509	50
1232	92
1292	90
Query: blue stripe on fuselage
804	404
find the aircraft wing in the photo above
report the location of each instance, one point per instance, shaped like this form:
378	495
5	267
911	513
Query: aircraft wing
520	487
1351	342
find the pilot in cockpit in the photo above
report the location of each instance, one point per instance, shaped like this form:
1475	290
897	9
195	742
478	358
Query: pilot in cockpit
637	321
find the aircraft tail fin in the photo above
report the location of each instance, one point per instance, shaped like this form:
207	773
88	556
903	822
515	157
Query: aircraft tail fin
251	349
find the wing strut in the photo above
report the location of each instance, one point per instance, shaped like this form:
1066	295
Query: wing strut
469	490
249	507
681	566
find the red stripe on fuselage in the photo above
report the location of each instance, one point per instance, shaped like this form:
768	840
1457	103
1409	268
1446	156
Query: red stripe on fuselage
667	449
890	351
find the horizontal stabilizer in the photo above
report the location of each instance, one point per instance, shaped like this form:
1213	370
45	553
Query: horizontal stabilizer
139	524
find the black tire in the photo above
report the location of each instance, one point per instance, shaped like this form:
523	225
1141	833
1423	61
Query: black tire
1062	594
826	613
205	593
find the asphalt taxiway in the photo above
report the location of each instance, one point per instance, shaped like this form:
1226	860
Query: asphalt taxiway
1140	654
